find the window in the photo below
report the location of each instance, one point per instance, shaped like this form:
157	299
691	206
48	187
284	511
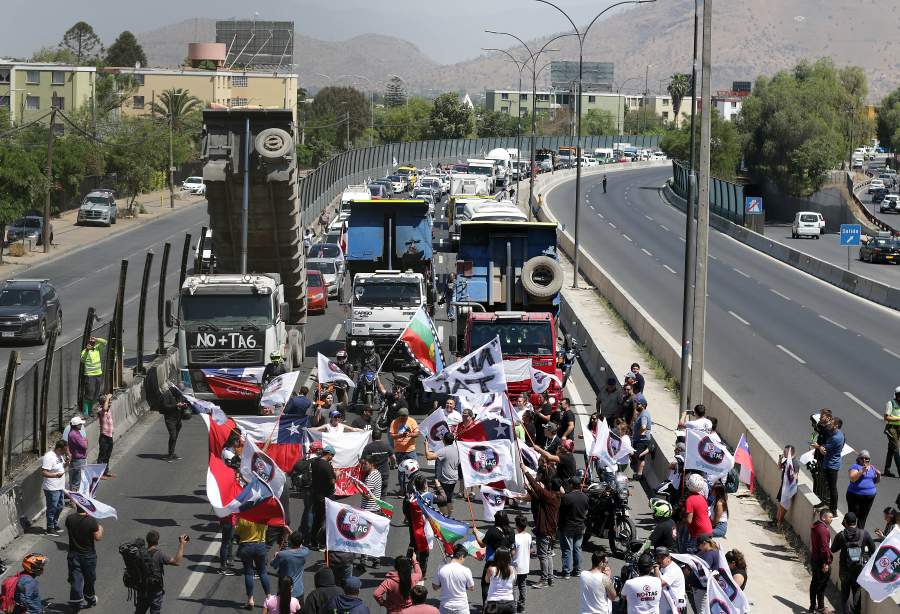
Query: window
504	96
523	96
138	79
237	102
665	115
58	77
543	97
32	103
665	102
4	75
137	102
592	99
504	109
4	102
58	102
33	77
240	81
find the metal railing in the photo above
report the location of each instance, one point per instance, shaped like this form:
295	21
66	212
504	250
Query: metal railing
726	199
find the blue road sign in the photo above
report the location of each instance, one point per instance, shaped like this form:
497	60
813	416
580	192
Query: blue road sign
753	205
850	234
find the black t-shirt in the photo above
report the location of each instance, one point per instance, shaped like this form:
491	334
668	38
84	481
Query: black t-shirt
573	511
323	477
81	531
566	467
380	453
159	560
567	417
360	422
663	534
638	385
494	538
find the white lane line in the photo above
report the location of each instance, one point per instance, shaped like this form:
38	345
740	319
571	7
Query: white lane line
440	332
712	257
196	576
830	321
627	238
601	215
894	354
682	239
863	405
646	252
777	293
335	332
664	228
72	283
740	272
670	269
648	217
739	318
592	206
611	225
791	354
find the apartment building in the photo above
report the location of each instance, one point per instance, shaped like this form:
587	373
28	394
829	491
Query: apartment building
662	106
29	90
519	102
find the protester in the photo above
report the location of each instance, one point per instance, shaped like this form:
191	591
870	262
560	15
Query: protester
862	488
78	447
695	515
855	546
283	602
641	438
381	456
573	511
892	432
53	472
299	404
642	594
301	476
273	369
349	602
173	414
608	400
393	594
626	399
501	578
832	449
522	560
418	594
788	454
819	560
446	469
324	480
719	510
566	466
335	424
545	521
597	588
454	580
665	533
92	364
252	553
107	426
891	518
325	591
638	378
737	564
84	532
363	422
404	431
698	420
708	552
27	595
420	494
566	425
291	562
151	599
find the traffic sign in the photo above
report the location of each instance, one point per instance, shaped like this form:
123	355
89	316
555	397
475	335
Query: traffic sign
851	234
753	205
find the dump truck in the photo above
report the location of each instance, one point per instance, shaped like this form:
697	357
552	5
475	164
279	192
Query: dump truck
508	282
230	319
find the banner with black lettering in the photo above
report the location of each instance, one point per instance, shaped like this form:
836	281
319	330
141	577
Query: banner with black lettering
477	373
608	447
881	574
483	462
707	455
278	392
348	529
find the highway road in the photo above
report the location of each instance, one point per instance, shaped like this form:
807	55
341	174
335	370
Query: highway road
782	343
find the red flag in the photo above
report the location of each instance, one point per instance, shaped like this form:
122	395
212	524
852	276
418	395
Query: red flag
743	458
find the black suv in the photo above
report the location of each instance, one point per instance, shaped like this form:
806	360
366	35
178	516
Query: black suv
29	308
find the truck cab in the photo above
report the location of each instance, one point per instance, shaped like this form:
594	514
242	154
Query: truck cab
486	169
502	170
381	305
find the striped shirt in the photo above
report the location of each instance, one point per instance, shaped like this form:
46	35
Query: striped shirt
373	483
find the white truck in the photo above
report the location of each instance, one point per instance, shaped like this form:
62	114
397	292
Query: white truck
351	193
485	168
502	167
381	305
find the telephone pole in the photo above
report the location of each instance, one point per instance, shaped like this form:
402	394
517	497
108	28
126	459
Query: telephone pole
171	164
45	228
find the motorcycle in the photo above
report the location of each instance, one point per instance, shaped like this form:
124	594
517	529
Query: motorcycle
629	572
385	414
568	356
609	514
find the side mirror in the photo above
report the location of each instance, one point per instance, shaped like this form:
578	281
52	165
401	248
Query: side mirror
284	312
451	342
170	319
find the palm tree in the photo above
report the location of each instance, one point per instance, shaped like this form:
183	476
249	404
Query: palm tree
678	88
175	104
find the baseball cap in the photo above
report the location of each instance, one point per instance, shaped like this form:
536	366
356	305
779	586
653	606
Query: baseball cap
352	584
328	450
641	399
316	445
850	519
403	412
76	421
334	413
661	551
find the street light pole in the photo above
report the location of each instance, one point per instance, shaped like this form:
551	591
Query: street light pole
520	66
171	163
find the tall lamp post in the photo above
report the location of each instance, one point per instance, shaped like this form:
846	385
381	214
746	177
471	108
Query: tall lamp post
520	66
621	105
581	36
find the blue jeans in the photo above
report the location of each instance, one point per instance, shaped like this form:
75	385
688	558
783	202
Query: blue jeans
54	499
75	467
225	547
149	602
253	555
82	575
720	529
571	552
402	456
545	557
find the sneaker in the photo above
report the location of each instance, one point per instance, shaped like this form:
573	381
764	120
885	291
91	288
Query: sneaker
888	474
575	574
562	575
91	601
539	585
52	533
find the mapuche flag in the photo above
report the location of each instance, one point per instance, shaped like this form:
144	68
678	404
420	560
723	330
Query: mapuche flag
421	339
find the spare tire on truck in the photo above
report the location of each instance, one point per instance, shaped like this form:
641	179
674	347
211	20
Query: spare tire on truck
542	277
273	143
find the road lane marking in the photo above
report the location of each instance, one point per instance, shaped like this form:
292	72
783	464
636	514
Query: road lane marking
670	269
682	239
601	215
440	332
740	272
592	206
335	332
712	257
791	354
627	238
648	217
611	225
664	228
72	283
830	321
739	318
777	293
863	405
196	576
646	252
894	354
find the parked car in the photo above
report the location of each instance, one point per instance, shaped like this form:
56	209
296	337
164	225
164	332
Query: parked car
807	224
98	207
28	227
331	271
194	185
29	310
316	292
890	204
883	248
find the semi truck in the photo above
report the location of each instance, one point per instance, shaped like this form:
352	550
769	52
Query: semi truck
508	282
390	271
229	320
502	166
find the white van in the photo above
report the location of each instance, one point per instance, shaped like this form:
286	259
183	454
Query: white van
807	224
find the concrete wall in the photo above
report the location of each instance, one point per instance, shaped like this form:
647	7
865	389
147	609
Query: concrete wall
734	420
830	201
22	501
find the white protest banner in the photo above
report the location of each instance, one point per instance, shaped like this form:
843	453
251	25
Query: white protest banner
695	564
434	427
540	381
607	446
328	371
881	574
717	602
258	464
493	501
483	462
728	587
91	506
788	482
348	529
90	479
517	369
707	455
278	391
476	373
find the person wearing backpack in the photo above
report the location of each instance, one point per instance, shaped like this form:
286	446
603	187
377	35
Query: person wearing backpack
19	593
150	599
855	546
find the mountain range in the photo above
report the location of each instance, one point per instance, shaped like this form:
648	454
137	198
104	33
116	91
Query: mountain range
646	44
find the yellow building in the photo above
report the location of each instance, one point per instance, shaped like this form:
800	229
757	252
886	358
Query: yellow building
29	90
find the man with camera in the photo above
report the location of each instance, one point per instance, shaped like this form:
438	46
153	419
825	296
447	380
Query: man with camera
151	599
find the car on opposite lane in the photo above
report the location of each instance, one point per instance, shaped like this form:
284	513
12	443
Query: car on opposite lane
890	204
29	309
194	185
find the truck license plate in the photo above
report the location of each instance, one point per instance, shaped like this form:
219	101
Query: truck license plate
9	333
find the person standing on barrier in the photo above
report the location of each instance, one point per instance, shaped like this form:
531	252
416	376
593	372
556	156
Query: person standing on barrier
78	446
92	361
892	432
53	470
105	443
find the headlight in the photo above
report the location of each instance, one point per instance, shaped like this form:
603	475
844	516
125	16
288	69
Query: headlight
30	317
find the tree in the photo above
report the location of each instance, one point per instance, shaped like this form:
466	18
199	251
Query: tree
450	118
327	115
82	41
112	91
125	51
57	55
642	120
406	123
394	93
21	183
679	87
178	104
888	127
725	145
494	124
598	122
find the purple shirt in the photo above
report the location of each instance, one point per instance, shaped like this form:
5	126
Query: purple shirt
77	445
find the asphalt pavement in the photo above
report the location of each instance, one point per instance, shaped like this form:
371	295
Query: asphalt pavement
781	342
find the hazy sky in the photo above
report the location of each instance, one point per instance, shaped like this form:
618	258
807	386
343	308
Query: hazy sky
445	31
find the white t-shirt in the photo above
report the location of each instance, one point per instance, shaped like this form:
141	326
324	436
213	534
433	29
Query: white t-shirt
594	596
339	428
674	577
522	560
454	580
703	425
500	589
53	463
642	595
453	418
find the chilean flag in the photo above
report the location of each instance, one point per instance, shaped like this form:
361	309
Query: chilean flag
284	435
743	458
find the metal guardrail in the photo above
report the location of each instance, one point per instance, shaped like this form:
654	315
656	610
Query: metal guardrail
870	217
726	199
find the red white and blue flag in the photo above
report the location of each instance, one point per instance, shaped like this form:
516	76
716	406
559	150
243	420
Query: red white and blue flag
743	458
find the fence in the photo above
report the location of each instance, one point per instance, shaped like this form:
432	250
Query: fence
319	188
726	199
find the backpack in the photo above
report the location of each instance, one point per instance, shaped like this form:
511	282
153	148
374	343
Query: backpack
302	473
139	575
854	552
8	593
732	481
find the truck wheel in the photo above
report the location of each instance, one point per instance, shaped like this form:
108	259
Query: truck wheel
542	276
273	143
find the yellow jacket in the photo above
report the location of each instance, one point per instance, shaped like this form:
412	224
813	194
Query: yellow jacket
90	358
